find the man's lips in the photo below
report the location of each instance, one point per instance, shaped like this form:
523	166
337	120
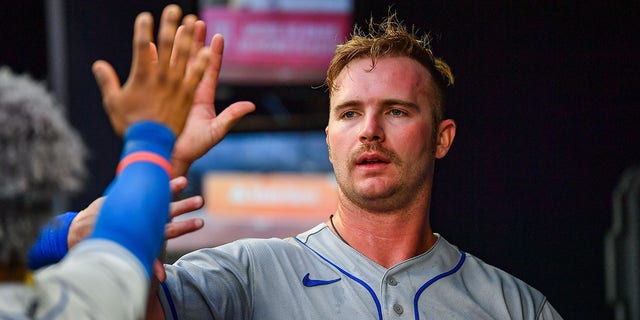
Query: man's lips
368	158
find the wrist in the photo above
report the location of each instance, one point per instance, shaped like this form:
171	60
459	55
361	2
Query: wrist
180	167
52	243
149	136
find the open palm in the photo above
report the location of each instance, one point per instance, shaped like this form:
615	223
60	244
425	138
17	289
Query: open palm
204	128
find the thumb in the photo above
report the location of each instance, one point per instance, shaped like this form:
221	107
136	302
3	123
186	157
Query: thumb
233	113
106	78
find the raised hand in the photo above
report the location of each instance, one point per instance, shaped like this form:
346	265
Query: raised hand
159	87
204	129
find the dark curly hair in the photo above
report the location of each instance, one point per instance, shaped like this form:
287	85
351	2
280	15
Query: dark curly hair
41	156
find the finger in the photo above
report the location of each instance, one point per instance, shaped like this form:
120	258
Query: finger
109	86
185	205
182	47
153	54
178	228
196	72
168	27
106	78
178	184
142	37
199	33
206	91
230	116
199	36
158	270
178	39
217	48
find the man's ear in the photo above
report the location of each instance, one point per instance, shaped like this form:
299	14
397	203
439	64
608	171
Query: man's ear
326	139
446	134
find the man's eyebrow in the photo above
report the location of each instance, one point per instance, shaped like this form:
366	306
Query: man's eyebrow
391	102
346	104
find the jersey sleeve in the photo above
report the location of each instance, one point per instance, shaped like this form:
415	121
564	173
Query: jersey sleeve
210	283
98	279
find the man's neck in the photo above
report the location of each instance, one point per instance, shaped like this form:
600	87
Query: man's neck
385	238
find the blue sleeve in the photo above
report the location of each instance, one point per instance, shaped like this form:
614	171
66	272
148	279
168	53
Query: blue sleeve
51	245
136	208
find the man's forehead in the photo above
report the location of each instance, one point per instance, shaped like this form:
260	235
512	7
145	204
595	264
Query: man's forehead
395	74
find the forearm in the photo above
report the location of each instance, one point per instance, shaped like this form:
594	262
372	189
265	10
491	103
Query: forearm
136	208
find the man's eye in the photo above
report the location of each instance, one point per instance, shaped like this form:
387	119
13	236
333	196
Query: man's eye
397	112
349	114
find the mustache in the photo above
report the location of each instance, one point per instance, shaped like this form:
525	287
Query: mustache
377	148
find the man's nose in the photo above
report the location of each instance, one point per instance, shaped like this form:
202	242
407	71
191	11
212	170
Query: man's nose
371	129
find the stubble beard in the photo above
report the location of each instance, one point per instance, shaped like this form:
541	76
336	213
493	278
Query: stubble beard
394	195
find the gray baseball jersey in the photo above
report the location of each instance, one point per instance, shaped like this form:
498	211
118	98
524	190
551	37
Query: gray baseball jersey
90	283
317	276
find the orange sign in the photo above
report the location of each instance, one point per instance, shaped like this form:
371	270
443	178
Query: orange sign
270	195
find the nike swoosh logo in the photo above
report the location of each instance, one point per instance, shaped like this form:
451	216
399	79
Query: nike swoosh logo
307	282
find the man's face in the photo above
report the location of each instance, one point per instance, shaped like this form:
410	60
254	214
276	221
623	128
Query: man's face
380	132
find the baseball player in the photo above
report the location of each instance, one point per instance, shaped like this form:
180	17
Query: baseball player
107	275
376	257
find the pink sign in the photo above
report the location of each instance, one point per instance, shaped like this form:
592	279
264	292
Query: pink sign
287	45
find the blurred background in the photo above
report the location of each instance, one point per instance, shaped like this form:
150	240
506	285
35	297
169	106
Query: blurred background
546	101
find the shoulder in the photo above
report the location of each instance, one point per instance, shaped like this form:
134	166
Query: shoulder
497	289
478	272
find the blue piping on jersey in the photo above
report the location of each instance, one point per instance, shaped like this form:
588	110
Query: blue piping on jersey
57	310
434	279
172	306
354	278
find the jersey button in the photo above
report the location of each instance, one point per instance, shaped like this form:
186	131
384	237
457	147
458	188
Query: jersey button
398	308
392	281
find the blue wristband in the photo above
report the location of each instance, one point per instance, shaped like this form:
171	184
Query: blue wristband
149	136
51	245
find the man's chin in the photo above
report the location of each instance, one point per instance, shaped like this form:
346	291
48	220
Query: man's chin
375	192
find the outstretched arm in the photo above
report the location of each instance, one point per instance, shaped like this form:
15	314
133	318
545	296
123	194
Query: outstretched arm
158	94
203	130
108	275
